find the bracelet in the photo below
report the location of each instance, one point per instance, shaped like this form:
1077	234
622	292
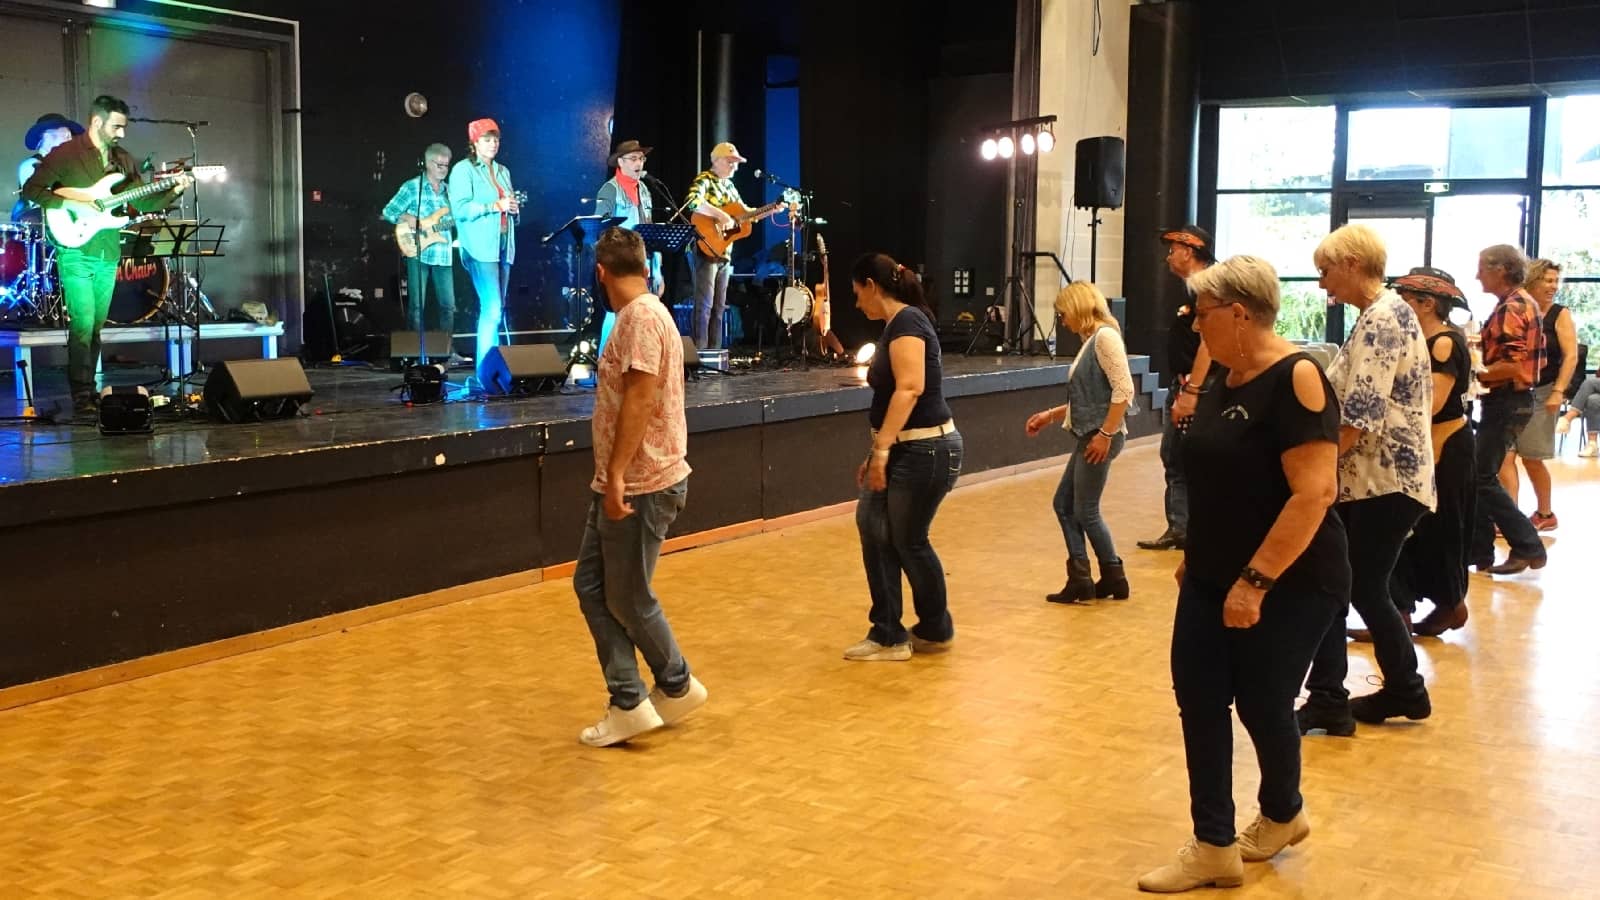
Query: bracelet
1105	434
1256	579
1193	391
876	452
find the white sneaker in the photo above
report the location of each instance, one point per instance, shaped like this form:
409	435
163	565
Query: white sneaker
871	651
671	708
920	645
621	724
1589	451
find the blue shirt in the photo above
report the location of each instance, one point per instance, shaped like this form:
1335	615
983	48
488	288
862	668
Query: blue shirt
405	201
472	199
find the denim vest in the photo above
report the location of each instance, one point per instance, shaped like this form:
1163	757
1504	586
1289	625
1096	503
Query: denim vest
472	199
615	202
1088	390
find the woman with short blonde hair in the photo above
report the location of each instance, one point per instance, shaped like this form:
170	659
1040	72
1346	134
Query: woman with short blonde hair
1099	394
1355	244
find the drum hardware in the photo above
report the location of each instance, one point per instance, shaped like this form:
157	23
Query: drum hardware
29	289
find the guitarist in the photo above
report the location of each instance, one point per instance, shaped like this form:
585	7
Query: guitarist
708	193
430	272
89	273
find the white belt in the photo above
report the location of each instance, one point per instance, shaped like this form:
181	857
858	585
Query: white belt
922	434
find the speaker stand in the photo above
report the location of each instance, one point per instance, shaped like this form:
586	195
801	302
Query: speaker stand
1094	242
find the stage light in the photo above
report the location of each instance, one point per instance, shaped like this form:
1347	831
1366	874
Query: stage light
865	353
1026	143
103	4
989	149
1047	141
584	347
1007	147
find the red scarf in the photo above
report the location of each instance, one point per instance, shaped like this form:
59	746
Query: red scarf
630	186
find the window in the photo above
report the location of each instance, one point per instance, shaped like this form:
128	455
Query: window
1569	218
1275	147
1422	142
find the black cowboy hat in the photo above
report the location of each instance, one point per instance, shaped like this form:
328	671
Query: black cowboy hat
49	122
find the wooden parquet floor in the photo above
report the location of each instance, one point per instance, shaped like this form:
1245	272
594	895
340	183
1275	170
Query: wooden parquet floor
435	755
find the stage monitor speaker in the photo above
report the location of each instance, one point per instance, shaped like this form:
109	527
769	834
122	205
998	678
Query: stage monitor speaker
250	390
691	357
522	368
403	344
126	410
1099	178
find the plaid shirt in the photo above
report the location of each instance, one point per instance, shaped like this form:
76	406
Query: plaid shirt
1515	333
719	192
405	201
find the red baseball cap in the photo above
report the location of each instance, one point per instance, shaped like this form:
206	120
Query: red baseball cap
477	128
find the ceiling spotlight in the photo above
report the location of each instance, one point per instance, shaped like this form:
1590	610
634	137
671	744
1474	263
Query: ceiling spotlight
988	150
1026	143
1047	141
1006	147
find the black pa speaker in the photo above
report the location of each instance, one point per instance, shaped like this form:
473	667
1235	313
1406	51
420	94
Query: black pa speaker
522	368
249	390
404	344
126	410
1099	178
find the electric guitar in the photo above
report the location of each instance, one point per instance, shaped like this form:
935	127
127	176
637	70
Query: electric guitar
822	314
76	222
434	228
715	239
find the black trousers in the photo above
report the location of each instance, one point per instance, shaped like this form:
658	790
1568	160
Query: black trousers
1258	671
1376	528
1433	562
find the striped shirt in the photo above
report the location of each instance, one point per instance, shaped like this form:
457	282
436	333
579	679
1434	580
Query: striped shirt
719	192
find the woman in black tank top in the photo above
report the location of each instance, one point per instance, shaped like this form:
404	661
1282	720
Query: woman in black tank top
1266	570
1433	561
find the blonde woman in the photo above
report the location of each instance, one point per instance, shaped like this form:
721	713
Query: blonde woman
1099	391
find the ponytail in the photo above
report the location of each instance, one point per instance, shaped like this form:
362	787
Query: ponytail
893	279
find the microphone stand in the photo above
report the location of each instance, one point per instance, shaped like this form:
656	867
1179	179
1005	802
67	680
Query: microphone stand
189	292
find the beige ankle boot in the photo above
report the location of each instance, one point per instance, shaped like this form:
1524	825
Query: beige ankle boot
1264	838
1199	864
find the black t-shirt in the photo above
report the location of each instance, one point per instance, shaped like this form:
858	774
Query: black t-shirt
1183	343
930	409
1458	367
1232	462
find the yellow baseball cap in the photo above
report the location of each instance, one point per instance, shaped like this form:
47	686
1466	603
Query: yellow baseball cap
726	149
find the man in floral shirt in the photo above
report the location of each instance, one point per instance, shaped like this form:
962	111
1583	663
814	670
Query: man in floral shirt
1513	353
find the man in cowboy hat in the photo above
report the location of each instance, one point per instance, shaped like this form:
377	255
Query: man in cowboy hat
49	132
626	195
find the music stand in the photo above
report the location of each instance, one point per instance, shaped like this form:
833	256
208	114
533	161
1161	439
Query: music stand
178	239
584	229
665	237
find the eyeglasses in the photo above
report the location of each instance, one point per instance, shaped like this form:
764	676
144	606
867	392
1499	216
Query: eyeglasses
1200	311
633	157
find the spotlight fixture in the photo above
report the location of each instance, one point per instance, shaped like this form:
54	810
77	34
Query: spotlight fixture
989	149
1007	147
865	353
1004	140
1047	140
1025	143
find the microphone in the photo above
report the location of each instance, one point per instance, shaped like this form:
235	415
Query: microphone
416	105
148	165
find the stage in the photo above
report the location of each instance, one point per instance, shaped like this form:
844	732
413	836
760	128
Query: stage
117	548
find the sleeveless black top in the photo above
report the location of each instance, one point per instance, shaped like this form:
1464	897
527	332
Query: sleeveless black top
1552	346
1458	367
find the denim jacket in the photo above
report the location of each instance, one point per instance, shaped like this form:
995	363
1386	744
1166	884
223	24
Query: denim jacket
1089	392
472	199
612	200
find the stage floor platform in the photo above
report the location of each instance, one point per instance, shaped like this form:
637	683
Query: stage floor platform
126	546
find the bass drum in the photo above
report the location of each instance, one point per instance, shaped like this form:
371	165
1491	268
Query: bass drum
17	242
794	305
141	286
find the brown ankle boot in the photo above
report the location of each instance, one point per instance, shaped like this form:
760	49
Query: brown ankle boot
1199	864
1436	623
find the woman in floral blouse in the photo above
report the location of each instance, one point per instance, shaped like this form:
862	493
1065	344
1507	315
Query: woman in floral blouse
1382	379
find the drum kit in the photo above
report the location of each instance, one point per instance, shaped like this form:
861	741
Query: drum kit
30	292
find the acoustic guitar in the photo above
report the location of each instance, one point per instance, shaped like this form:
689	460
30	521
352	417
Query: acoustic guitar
822	314
76	222
715	240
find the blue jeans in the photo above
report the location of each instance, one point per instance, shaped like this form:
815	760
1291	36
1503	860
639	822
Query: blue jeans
1258	671
489	282
1587	402
1177	497
615	564
894	538
1077	504
710	298
1502	414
